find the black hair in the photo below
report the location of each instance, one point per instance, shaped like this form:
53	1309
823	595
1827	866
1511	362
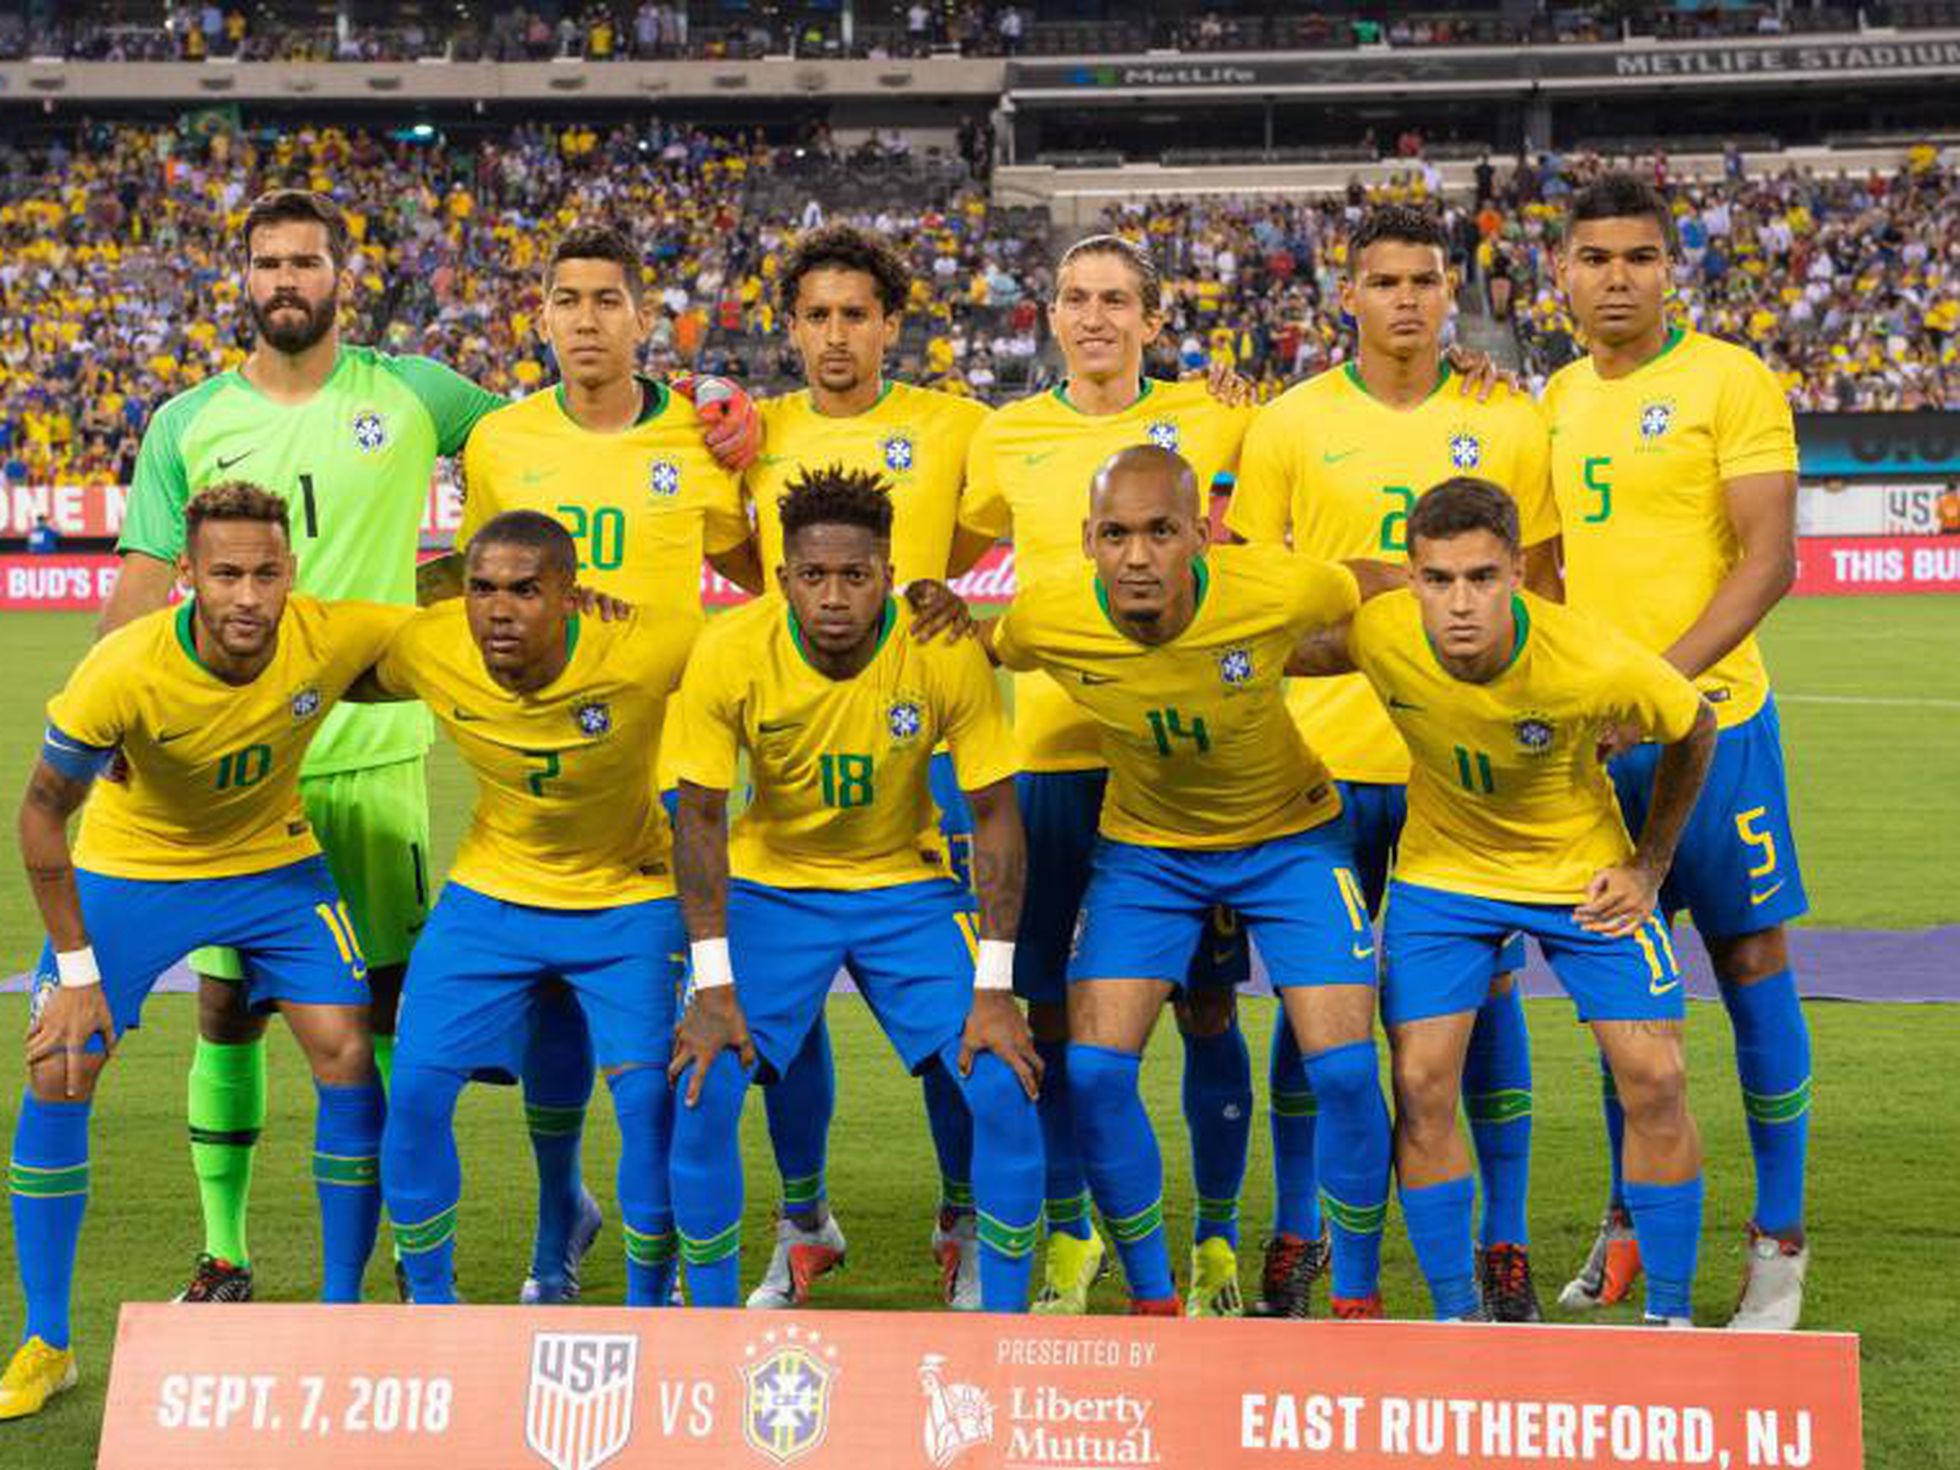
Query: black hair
535	530
599	242
1621	196
290	206
846	248
1461	505
835	496
1400	222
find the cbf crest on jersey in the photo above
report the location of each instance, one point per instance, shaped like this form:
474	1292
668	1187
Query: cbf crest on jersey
1163	433
594	717
1535	732
664	478
899	453
786	1386
1466	451
305	703
370	432
1235	666
579	1412
905	719
1656	418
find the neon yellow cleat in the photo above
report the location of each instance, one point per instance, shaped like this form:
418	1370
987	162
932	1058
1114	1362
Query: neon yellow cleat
1070	1269
36	1374
1214	1281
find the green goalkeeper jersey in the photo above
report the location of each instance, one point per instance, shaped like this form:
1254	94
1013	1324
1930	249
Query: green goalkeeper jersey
353	463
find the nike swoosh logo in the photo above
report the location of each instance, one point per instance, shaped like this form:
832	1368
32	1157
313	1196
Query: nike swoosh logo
1222	957
458	713
1394	703
1327	456
180	734
1768	893
770	461
532	477
1655	988
1036	458
777	727
225	464
1097	678
1360	953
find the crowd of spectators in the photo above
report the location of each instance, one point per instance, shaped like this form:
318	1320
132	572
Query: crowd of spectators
120	283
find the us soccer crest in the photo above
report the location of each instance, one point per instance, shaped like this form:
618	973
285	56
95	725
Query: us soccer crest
1535	733
1466	451
594	718
898	453
904	720
1235	666
664	478
1163	433
1656	417
786	1386
306	703
579	1411
370	431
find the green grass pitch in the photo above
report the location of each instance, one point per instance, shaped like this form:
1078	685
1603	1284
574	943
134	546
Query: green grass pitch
1869	692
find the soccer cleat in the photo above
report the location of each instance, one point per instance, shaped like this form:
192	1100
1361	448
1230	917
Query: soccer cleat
36	1374
1073	1265
1504	1282
800	1257
555	1289
1678	1323
217	1280
1772	1284
1162	1306
1293	1265
956	1246
1357	1308
1612	1266
1214	1281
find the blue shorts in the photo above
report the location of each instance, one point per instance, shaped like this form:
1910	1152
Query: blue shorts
955	817
1439	947
907	947
288	925
1376	811
466	1005
1061	811
1736	868
1147	908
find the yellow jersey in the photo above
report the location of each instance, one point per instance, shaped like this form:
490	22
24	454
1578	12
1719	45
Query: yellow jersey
645	505
566	814
1333	471
1200	748
1027	475
1508	798
839	768
916	438
1638	465
214	768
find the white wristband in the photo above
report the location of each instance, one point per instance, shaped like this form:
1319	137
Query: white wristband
994	969
76	968
712	969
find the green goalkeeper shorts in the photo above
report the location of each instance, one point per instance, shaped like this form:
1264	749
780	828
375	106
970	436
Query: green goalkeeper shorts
374	828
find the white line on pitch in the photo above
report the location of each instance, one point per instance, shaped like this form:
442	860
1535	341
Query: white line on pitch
1867	699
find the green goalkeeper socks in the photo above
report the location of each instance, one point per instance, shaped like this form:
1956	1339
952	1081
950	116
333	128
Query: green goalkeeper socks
227	1110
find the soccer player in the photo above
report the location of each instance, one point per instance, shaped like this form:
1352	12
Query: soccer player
348	436
1332	467
1025	472
843	293
838	861
212	706
1213	800
1512	827
1674	461
565	874
620	461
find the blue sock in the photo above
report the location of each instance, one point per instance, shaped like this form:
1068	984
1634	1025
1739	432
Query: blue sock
1007	1176
1065	1188
48	1180
1126	1172
799	1105
1351	1162
644	1105
1667	1223
1218	1112
558	1072
1616	1134
1295	1111
1772	1056
951	1123
707	1176
422	1178
347	1178
1497	1099
1438	1221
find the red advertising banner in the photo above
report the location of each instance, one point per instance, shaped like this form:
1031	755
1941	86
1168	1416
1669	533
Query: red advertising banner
320	1388
97	510
58	583
1840	566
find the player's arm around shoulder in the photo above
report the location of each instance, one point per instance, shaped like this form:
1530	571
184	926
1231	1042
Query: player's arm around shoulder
390	675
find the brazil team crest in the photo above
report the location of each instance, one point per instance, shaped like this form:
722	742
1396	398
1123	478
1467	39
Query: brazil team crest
306	703
1235	666
904	720
1535	733
786	1386
1163	433
370	431
594	718
1656	418
664	478
578	1413
899	453
1466	451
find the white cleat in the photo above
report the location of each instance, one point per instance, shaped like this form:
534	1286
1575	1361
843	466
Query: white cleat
1612	1267
1772	1285
956	1246
1679	1324
800	1257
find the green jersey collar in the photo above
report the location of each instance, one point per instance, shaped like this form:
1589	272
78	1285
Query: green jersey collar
653	402
1352	369
1200	576
1144	387
886	622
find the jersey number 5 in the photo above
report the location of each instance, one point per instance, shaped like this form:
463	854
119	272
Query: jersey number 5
1600	486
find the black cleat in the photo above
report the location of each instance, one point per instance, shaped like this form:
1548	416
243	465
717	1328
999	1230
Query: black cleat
1293	1265
1504	1280
217	1280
